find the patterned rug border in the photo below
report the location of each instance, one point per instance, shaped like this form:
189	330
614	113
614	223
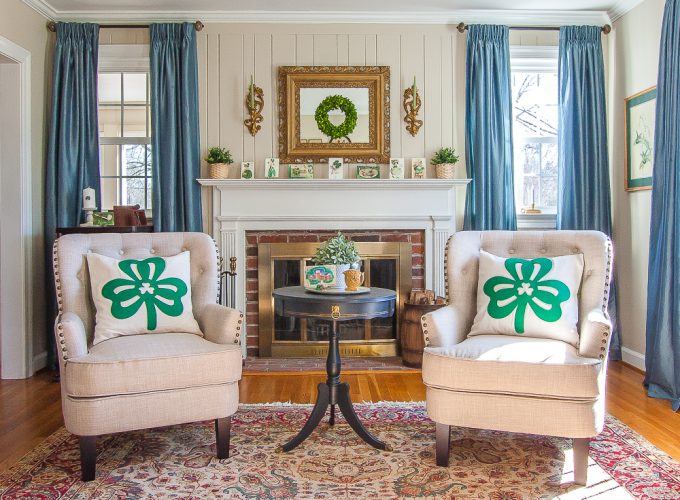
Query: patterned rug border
665	467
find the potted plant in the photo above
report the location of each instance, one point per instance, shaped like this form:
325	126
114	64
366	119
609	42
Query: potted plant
338	251
219	160
444	162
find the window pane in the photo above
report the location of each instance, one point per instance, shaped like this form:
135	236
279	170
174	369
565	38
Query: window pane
535	104
108	160
134	118
529	158
134	191
109	121
134	88
148	160
134	160
548	191
109	188
549	159
109	88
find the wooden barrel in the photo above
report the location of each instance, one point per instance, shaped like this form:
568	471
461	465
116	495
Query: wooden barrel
412	342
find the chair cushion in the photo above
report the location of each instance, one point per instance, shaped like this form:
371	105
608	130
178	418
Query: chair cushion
535	297
499	364
135	296
146	363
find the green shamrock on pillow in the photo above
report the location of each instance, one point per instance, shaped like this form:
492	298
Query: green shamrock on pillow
145	288
526	288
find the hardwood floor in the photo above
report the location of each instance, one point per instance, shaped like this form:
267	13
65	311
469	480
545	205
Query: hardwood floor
30	410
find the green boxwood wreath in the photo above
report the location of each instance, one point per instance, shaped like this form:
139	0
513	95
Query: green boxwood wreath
343	104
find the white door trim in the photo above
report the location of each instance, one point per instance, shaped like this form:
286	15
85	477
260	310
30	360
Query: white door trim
17	347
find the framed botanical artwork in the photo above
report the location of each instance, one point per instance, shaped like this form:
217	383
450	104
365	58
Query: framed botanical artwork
639	120
247	170
271	168
301	171
368	171
418	166
335	168
396	168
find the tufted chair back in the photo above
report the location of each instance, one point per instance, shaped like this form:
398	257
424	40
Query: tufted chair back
462	263
73	280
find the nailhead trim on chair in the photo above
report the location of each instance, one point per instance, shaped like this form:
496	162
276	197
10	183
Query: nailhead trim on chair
238	328
219	281
60	304
605	297
426	335
446	270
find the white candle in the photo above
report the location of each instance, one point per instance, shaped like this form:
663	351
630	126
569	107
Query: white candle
414	92
252	93
533	195
88	198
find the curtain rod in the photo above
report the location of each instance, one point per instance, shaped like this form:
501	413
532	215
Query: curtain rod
52	26
605	29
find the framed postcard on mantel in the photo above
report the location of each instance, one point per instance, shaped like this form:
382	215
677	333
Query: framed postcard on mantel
639	119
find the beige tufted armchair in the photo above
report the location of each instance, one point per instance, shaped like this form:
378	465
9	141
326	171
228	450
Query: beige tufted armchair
144	381
511	383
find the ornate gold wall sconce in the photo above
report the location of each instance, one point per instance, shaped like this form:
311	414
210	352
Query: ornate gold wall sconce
412	104
254	105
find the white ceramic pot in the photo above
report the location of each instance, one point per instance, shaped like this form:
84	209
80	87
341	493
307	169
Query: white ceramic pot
340	277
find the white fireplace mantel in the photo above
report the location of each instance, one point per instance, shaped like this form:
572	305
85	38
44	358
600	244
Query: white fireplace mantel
322	204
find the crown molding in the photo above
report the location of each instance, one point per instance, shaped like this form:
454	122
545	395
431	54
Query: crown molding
622	7
508	17
43	8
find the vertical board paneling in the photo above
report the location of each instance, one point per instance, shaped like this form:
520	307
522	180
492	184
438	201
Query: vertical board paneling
432	115
458	94
283	54
264	146
357	50
325	50
371	44
412	64
214	83
304	50
343	50
248	70
447	110
388	54
230	104
206	192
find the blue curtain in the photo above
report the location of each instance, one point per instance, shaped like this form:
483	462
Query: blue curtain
490	202
584	198
73	146
662	357
175	141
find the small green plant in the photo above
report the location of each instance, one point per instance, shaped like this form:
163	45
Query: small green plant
219	155
338	250
444	155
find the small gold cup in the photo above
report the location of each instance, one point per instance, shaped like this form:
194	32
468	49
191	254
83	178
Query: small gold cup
353	280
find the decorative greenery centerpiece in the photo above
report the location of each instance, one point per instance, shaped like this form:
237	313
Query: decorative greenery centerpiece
338	251
444	161
219	160
324	123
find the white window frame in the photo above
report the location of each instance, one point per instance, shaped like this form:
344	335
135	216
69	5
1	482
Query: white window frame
126	59
535	59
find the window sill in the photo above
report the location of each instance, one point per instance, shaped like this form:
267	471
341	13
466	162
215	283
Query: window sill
537	222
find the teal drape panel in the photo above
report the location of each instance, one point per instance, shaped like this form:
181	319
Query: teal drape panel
584	199
72	162
662	356
490	202
175	140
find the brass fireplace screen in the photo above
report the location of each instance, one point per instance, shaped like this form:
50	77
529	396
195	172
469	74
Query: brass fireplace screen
386	265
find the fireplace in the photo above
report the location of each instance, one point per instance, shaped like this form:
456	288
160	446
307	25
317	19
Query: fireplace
241	207
390	259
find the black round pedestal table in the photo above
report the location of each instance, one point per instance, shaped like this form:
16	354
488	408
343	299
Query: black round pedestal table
295	301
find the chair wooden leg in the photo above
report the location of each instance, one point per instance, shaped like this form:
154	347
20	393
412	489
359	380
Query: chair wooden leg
580	448
88	457
443	439
222	435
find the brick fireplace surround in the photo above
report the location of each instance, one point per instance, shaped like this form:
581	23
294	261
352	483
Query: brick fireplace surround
253	238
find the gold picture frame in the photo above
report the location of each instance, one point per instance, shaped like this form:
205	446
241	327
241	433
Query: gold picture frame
374	148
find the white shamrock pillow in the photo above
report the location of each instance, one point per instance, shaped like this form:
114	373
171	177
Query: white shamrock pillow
529	297
141	296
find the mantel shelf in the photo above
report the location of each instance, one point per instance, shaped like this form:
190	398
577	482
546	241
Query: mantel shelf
319	184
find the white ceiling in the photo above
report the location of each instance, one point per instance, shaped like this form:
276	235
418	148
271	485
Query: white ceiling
534	12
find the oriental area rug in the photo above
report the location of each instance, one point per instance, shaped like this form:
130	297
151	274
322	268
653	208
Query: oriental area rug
179	462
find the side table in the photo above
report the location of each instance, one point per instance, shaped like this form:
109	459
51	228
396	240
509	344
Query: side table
295	301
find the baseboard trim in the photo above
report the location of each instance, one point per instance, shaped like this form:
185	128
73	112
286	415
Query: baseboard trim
633	358
39	361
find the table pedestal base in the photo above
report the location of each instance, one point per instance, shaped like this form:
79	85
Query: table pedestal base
333	393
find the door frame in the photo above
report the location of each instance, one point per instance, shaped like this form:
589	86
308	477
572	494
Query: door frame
17	350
